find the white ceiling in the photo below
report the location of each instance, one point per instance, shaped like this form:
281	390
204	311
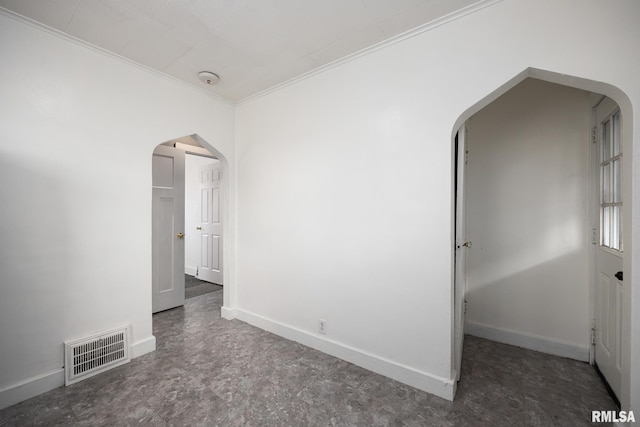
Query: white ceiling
251	44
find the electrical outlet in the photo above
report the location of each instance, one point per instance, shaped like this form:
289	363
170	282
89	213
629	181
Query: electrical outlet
322	326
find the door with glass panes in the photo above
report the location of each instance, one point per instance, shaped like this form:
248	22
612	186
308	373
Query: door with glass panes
610	248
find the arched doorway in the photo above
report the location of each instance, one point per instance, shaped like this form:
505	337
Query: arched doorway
514	269
170	238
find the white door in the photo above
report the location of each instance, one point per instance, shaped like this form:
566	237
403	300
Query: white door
168	228
462	245
210	227
609	248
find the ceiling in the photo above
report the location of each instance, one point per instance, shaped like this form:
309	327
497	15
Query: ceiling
251	44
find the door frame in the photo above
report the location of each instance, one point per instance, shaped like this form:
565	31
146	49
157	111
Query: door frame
628	190
194	141
460	248
594	214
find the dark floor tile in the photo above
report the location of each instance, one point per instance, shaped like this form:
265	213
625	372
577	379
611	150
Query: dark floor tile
552	411
194	287
212	372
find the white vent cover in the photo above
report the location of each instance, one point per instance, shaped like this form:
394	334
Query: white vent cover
86	357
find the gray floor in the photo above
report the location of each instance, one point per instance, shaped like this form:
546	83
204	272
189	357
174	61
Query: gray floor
212	372
194	287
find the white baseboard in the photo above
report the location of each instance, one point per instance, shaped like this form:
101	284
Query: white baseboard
190	270
421	380
31	387
34	386
228	313
528	341
145	346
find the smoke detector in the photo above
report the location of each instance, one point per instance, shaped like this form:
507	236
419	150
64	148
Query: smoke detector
209	78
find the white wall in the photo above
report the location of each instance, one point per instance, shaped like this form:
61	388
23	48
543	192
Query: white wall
192	209
344	179
528	219
344	199
77	129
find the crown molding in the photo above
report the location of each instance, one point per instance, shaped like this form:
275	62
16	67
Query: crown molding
473	8
467	10
60	34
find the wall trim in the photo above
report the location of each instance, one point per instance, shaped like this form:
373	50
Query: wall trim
34	386
105	52
143	347
228	313
441	387
31	387
472	8
528	341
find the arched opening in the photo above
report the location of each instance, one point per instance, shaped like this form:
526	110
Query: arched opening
563	228
190	221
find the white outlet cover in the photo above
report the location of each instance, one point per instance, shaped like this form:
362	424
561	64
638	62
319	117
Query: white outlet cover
322	326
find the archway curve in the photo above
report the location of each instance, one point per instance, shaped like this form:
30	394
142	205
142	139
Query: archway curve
227	223
552	77
626	109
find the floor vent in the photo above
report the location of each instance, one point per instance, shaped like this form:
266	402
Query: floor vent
86	357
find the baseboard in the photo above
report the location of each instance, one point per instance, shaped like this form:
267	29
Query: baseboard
421	380
528	341
228	313
145	346
31	388
191	271
34	386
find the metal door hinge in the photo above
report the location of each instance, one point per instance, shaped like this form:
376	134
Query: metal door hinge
593	336
594	133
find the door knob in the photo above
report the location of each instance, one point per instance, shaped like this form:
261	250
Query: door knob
198	228
619	275
179	235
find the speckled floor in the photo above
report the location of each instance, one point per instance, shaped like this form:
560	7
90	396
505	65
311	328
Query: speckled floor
212	372
194	287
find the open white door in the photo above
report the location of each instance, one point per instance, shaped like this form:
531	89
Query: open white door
460	280
168	228
609	249
210	227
